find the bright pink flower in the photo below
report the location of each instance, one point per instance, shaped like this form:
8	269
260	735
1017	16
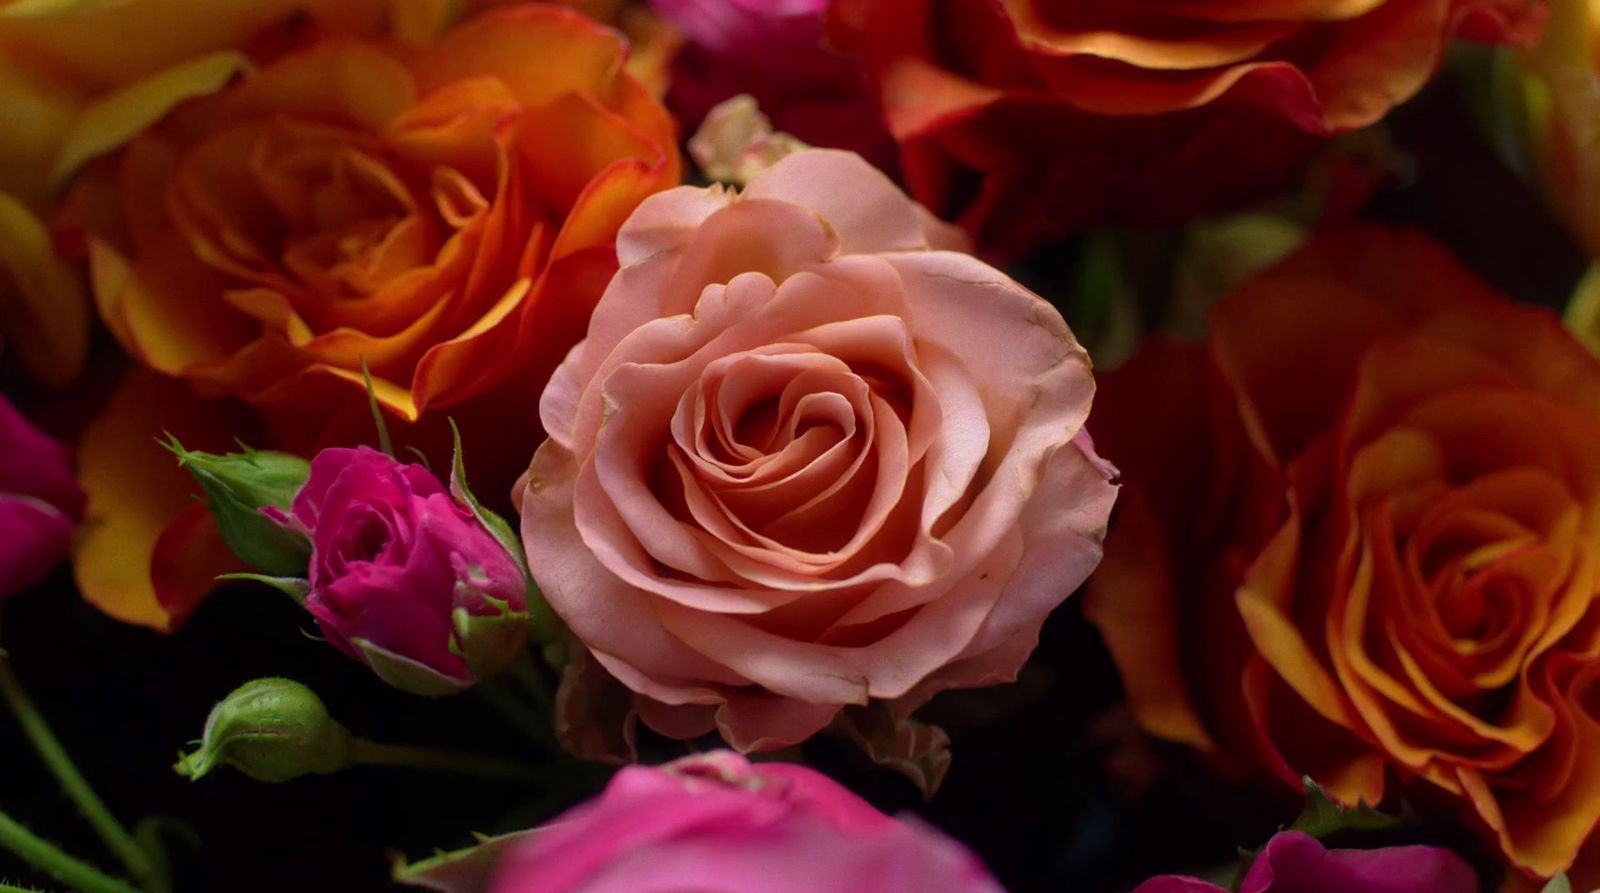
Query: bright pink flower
39	501
1293	862
394	556
716	822
805	459
773	50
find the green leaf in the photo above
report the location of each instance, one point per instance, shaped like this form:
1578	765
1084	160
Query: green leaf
1323	817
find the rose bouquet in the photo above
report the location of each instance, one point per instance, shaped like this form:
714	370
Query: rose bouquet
500	446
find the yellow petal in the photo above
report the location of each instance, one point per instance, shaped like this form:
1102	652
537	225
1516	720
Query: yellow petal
44	314
38	112
45	9
121	115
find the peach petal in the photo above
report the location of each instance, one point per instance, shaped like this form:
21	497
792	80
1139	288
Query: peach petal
756	722
1033	358
890	667
608	614
1063	528
667	222
867	211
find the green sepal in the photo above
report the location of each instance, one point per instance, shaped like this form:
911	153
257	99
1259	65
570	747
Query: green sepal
272	730
384	443
294	587
488	642
543	623
1558	884
411	676
237	487
1322	818
917	750
466	870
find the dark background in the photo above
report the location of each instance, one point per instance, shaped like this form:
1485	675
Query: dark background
1050	785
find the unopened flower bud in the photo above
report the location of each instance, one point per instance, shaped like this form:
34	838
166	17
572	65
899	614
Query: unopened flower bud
271	730
238	487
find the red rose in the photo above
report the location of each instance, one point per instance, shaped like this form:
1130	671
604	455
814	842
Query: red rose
1027	119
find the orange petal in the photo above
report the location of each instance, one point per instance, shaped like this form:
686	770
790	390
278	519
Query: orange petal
136	492
574	54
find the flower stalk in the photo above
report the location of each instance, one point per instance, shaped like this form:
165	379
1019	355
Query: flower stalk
49	858
138	862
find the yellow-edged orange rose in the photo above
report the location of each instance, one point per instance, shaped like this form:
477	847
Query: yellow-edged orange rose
75	86
1360	541
442	212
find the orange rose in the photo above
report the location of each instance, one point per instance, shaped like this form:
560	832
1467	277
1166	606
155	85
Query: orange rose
1360	540
74	87
1024	119
444	213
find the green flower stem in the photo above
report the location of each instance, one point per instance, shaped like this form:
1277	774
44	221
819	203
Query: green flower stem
50	859
374	753
138	861
13	888
526	671
514	710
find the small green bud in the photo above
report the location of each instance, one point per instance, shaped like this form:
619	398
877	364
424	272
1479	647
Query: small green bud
271	730
238	486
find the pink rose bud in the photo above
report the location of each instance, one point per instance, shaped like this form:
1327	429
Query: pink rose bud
403	577
39	502
717	822
1293	862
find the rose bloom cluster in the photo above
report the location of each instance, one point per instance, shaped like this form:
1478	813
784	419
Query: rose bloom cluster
415	312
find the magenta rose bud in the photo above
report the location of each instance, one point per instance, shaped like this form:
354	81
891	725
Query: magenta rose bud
1293	862
39	502
773	50
403	577
717	822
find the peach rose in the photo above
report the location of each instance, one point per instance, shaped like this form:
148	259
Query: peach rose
806	457
1361	541
358	200
1025	119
